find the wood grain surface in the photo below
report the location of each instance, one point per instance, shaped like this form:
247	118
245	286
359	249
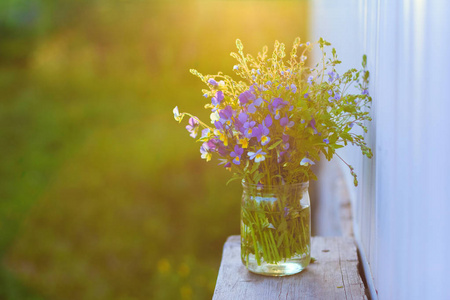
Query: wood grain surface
334	274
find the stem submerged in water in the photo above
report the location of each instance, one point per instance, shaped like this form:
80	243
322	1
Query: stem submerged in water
275	225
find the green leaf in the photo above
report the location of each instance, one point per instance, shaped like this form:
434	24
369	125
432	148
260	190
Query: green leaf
280	239
283	226
274	145
254	168
346	136
258	177
234	177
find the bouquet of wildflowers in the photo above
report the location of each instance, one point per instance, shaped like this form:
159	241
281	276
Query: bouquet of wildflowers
272	125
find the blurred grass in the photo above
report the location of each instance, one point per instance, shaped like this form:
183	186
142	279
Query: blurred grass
103	195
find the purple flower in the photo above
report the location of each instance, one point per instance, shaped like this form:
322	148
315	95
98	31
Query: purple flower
193	127
331	77
312	123
220	132
218	125
205	95
268	121
365	92
280	156
285	139
294	88
258	101
212	82
337	96
249	131
215	144
351	125
258	156
226	164
248	127
243	117
276	105
310	79
306	95
261	133
326	141
246	97
206	151
217	99
220	147
284	122
226	115
240	121
261	87
252	107
205	132
306	162
286	211
238	151
278	102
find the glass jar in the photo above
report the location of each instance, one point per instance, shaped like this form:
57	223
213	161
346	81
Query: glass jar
275	228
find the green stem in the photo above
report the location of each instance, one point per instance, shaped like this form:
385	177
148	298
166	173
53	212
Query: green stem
269	258
274	245
203	124
247	215
258	260
263	240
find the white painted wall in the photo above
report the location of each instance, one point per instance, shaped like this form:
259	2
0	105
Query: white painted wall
402	205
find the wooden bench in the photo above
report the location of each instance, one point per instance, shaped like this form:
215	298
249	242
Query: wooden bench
334	274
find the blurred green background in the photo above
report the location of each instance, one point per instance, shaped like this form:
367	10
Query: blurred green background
102	194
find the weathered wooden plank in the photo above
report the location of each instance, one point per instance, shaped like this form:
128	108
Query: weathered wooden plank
333	276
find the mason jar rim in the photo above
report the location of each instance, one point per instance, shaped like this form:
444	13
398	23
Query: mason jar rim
298	184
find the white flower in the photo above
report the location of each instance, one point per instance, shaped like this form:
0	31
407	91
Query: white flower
176	114
214	117
306	162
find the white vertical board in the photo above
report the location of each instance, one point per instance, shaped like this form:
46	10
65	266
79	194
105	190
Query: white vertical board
402	204
344	23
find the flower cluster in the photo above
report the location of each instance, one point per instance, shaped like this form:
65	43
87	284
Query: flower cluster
272	126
